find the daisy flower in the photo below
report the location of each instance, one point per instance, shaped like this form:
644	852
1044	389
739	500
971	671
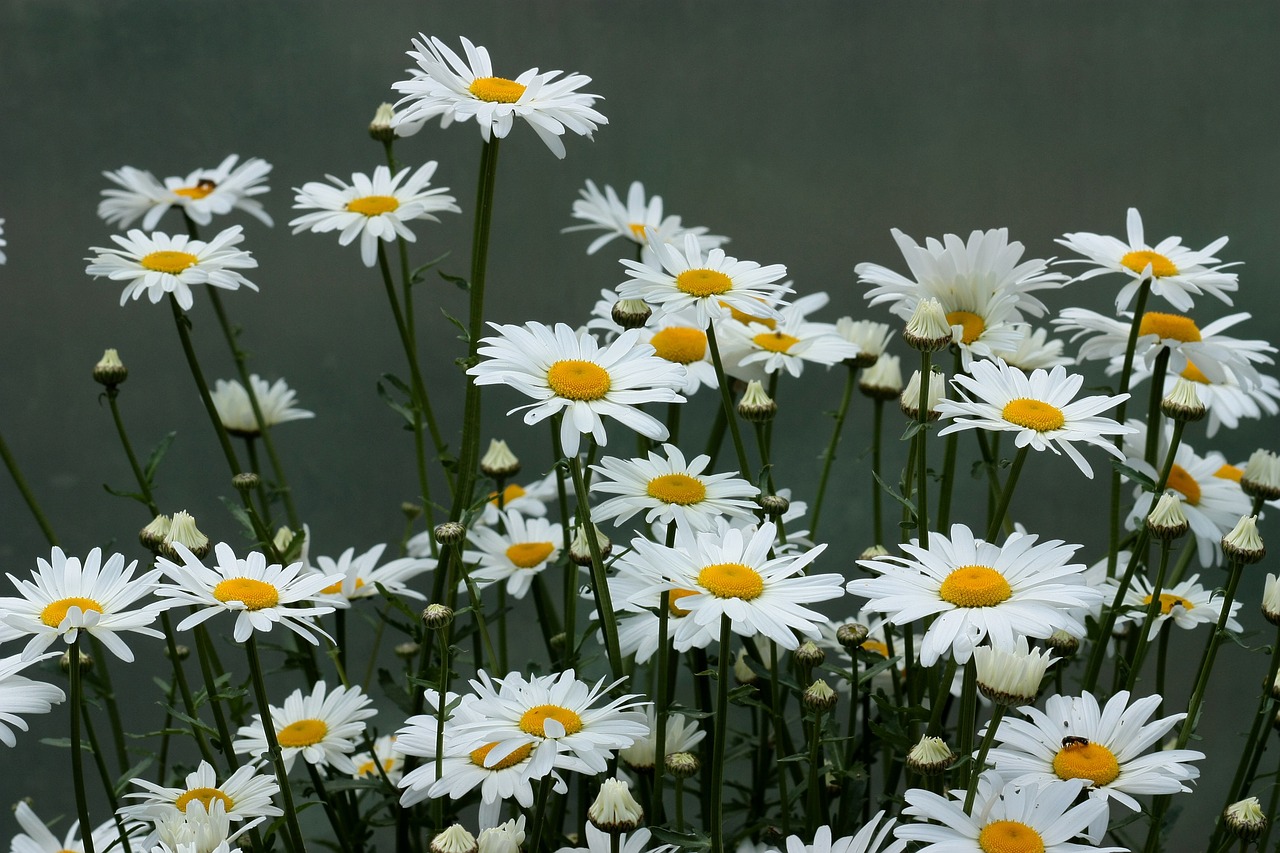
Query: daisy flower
670	490
636	841
197	829
321	727
67	596
36	837
1004	818
245	794
708	285
754	351
260	595
682	736
22	695
729	573
636	599
200	195
1035	351
870	838
572	374
979	590
635	221
453	89
1176	271
362	575
1187	604
157	264
871	338
372	209
1227	402
385	754
1103	747
526	549
235	410
1039	408
678	339
554	712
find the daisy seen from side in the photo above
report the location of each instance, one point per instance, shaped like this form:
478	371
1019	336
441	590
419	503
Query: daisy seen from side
1186	604
22	695
682	735
361	575
527	547
36	837
235	410
1227	402
200	195
636	220
155	264
244	794
384	756
322	727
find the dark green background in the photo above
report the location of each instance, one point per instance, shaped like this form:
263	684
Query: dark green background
803	131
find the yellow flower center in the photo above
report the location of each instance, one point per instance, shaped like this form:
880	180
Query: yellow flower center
509	494
368	768
335	588
1194	374
1033	414
1009	836
1229	472
303	733
534	720
253	594
574	379
170	262
496	90
637	231
206	796
1169	326
972	325
680	344
54	613
520	754
1183	482
775	341
1091	761
704	282
876	647
676	595
1168	602
744	317
529	555
731	580
677	489
975	586
373	205
1160	265
203	187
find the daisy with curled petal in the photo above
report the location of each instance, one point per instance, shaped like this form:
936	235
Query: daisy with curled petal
197	829
636	841
157	264
1187	604
453	89
729	573
200	195
36	837
634	221
1176	272
979	590
321	727
385	754
1035	817
245	794
372	209
670	490
1039	408
67	596
557	713
870	838
235	410
362	575
682	736
1103	747
527	548
573	374
22	695
709	285
260	594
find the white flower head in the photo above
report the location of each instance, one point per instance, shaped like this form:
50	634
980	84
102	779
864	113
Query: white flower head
361	575
36	837
322	727
1187	604
637	221
873	837
517	556
244	794
235	410
200	195
22	695
1011	677
157	264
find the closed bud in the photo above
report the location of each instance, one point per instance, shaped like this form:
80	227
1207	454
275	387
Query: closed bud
1063	643
410	510
110	370
1182	403
875	552
455	839
809	655
380	128
580	547
883	380
819	696
1271	599
183	531
909	402
1245	819
682	765
1244	544
928	329
615	811
246	481
499	462
1261	477
450	532
852	636
407	650
774	506
742	672
930	756
153	534
182	652
557	642
631	313
1167	520
756	406
437	616
86	661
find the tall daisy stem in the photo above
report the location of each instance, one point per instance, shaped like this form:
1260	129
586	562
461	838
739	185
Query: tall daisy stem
540	814
1006	496
599	582
183	323
77	760
829	457
721	735
980	762
662	694
1153	407
108	784
33	506
877	505
726	402
296	842
922	433
1126	373
1153	610
204	651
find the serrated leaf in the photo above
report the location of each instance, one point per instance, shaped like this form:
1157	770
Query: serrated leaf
910	505
458	324
405	411
417	276
122	494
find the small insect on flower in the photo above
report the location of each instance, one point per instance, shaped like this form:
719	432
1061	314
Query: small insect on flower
1073	741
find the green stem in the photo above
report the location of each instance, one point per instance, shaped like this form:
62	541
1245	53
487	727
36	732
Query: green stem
877	507
77	761
979	763
569	655
1153	610
661	694
1126	372
721	739
104	775
183	323
540	814
32	505
599	582
968	717
922	434
331	808
816	814
1006	496
274	756
726	403
204	645
829	457
184	690
144	485
1153	406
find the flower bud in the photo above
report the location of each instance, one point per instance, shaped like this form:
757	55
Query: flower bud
928	329
742	672
450	532
407	650
809	655
1261	478
1244	544
871	338
909	402
110	370
682	765
615	810
1245	819
183	531
883	380
182	652
437	616
1182	403
455	839
498	461
86	661
410	510
580	547
874	552
246	481
756	406
819	696
852	636
1063	643
1271	599
504	838
1167	520
930	756
153	534
631	313
774	506
380	128
1011	678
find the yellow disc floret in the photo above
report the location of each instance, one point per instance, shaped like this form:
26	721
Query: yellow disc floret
534	720
509	494
744	317
574	379
54	613
1195	374
975	586
1160	265
680	344
373	205
1091	761
1009	836
1184	483
1229	472
167	261
731	580
496	90
303	733
704	282
203	187
206	796
972	326
253	594
1176	327
775	341
519	754
529	555
1033	414
680	489
1169	601
674	596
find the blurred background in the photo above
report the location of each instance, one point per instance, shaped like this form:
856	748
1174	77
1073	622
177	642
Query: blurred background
803	136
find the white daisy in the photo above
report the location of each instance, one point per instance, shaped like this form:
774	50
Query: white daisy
870	337
1004	818
236	411
200	195
1227	402
1035	351
36	837
681	736
1104	747
197	829
670	490
446	86
635	221
554	712
1187	604
361	575
1039	408
709	285
261	595
66	596
1176	272
730	573
678	339
245	794
870	838
323	727
22	695
384	754
636	599
754	351
157	264
527	548
979	590
571	373
636	841
372	209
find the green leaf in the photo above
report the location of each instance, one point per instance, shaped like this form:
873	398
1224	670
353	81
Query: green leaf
417	277
459	281
157	454
405	411
458	324
910	505
690	840
120	494
1133	474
